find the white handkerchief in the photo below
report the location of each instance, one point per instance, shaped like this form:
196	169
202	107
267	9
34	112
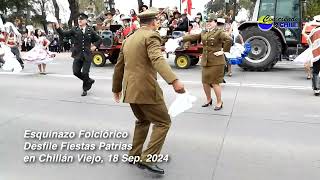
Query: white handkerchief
51	19
235	51
304	57
29	27
171	45
182	103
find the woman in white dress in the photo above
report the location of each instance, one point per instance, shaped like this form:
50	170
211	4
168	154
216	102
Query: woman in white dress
8	60
39	55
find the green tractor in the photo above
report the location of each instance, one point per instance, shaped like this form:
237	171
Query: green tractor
274	33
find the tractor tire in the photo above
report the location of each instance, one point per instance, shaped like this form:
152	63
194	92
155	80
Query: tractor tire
265	49
98	59
194	60
182	61
114	57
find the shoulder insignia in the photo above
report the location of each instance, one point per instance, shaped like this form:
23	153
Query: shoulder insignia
132	32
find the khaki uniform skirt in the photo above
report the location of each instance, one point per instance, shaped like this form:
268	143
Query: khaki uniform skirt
212	74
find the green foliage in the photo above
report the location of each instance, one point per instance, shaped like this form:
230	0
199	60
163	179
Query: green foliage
220	5
99	5
313	8
215	6
11	4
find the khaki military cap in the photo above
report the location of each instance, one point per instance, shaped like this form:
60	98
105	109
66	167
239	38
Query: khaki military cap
212	17
108	12
151	13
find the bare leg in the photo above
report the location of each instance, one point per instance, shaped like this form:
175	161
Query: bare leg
207	91
229	70
44	68
217	91
307	69
40	68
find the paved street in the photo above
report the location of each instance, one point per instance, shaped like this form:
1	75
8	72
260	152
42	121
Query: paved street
269	127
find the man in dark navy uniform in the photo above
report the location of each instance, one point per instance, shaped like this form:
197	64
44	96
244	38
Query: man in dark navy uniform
83	37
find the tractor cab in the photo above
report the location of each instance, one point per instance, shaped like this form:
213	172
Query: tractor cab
274	32
286	15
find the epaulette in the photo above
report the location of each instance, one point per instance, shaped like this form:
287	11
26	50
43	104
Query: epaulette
130	33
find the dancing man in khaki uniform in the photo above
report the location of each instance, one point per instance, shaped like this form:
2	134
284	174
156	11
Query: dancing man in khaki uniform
135	78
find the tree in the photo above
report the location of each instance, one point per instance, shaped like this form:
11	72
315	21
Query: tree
220	6
140	4
99	6
41	13
56	9
74	8
19	5
313	8
215	6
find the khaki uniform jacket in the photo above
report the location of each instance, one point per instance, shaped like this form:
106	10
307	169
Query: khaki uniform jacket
212	41
135	73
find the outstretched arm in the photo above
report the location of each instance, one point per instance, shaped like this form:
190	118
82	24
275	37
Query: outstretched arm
64	33
160	64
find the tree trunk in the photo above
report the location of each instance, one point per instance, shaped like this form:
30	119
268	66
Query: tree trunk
111	3
74	8
43	16
56	10
140	3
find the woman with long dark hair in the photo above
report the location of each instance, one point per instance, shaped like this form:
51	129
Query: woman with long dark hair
40	55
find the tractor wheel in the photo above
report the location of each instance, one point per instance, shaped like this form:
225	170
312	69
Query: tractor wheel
182	61
265	49
98	59
194	60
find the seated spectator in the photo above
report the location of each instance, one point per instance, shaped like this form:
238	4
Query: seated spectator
128	26
183	24
164	24
199	20
133	15
120	22
117	17
164	20
144	8
108	20
134	18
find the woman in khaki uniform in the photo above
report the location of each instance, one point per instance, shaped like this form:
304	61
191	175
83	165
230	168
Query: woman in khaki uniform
215	42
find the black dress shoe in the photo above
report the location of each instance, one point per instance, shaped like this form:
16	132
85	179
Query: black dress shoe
317	92
216	108
89	84
208	104
84	93
151	167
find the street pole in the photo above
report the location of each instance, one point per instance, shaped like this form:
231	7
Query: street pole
150	3
180	6
234	10
227	6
